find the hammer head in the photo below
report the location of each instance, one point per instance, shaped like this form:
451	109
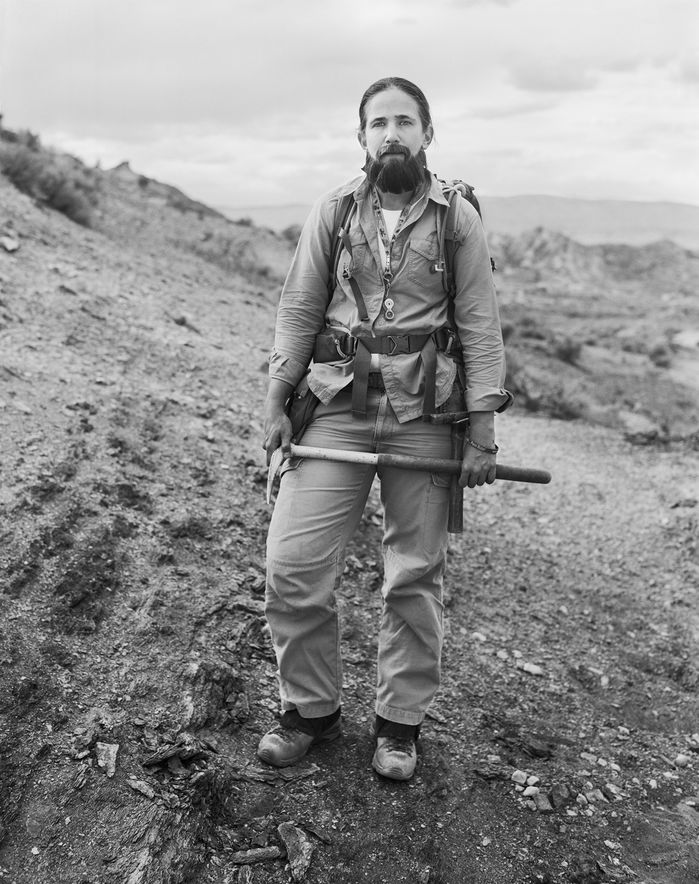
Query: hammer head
275	463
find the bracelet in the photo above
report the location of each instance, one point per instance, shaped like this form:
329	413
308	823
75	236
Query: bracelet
493	450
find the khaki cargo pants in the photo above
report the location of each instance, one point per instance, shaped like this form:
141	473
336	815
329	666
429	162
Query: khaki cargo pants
319	506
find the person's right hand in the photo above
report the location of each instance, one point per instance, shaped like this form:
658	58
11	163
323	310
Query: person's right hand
277	429
277	426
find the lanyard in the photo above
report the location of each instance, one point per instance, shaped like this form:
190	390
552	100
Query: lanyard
388	303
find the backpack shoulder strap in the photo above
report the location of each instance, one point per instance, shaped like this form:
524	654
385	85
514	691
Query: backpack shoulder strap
452	192
343	213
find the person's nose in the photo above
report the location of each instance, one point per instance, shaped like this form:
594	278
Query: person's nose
391	134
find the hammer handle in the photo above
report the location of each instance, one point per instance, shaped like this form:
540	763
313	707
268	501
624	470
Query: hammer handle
412	462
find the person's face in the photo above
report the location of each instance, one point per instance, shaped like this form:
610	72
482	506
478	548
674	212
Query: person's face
393	121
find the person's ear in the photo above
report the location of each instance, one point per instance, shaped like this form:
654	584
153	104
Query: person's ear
429	135
361	138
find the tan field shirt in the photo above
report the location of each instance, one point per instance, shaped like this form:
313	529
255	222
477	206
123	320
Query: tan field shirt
421	303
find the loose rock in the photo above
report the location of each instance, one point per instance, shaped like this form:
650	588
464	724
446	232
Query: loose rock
543	805
256	855
106	757
299	849
9	243
560	795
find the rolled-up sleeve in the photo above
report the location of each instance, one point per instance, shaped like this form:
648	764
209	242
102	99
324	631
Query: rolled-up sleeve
304	297
478	321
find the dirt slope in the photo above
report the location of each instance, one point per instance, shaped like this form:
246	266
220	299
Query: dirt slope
136	670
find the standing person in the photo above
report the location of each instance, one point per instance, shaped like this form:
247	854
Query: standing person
372	347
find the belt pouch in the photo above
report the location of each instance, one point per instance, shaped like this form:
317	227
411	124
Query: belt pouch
300	408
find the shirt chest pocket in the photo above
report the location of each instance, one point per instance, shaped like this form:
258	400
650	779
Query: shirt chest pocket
423	255
361	262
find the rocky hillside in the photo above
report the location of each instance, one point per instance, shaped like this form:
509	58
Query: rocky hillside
136	670
606	333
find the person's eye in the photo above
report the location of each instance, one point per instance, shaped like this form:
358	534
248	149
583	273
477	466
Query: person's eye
377	123
406	122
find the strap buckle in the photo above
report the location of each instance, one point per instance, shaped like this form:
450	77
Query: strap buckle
393	345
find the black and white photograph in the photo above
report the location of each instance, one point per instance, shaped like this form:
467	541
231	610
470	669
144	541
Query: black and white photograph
349	462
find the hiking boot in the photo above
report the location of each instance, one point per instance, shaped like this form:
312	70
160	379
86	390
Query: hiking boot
395	758
283	746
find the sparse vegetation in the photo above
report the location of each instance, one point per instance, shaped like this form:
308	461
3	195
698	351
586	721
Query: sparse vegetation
568	350
46	177
292	233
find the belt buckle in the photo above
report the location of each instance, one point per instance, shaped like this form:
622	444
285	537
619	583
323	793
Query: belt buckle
393	344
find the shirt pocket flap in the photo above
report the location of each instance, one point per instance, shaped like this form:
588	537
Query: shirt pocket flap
425	247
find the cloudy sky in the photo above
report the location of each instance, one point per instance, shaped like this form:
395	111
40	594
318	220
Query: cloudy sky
245	103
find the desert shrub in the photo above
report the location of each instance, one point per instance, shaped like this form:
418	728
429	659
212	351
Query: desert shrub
23	167
568	350
530	327
143	182
292	233
244	222
38	174
660	355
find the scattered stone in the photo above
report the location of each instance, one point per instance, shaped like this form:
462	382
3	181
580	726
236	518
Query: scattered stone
80	777
588	756
255	855
282	774
543	805
299	849
533	781
530	791
106	757
623	732
560	795
9	243
140	786
595	795
682	760
187	748
612	792
530	668
479	637
519	777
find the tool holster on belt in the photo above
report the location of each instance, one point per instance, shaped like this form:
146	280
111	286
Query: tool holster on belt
452	412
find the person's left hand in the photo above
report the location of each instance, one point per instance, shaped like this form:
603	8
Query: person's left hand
478	467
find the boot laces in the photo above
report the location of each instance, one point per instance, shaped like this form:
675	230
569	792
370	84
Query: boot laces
395	744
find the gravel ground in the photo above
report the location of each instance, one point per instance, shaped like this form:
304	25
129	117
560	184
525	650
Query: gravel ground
137	673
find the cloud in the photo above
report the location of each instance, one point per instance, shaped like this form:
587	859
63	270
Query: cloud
259	100
516	109
469	3
550	75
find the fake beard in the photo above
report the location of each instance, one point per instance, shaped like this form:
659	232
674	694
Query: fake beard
401	173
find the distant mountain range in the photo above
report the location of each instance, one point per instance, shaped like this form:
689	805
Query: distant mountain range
586	221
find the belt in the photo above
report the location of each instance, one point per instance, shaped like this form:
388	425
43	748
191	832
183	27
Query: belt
330	345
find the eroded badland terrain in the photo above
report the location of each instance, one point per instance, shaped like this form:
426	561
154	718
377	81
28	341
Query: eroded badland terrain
136	673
